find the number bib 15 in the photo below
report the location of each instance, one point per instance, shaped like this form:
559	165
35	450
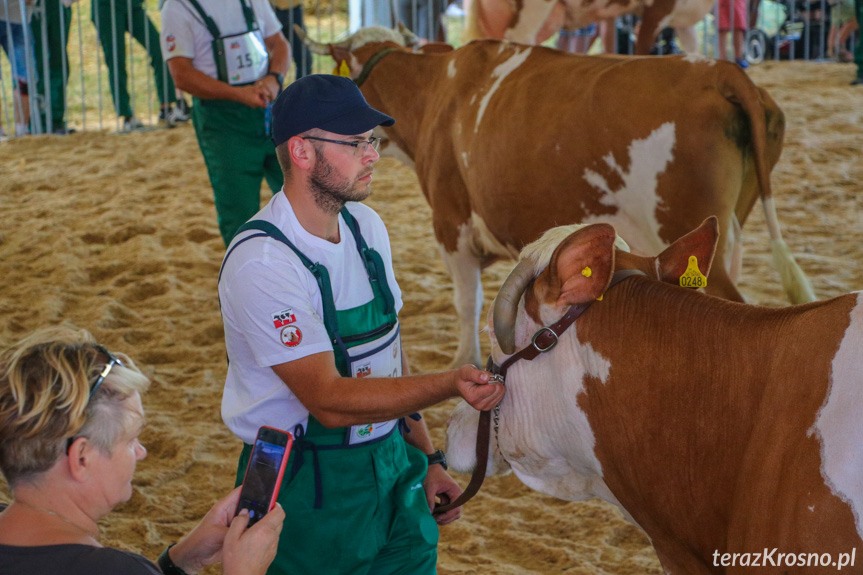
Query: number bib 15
242	59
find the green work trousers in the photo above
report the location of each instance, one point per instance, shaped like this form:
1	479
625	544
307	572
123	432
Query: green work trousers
858	50
52	44
113	18
374	518
238	153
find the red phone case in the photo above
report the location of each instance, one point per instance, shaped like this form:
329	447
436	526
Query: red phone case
282	465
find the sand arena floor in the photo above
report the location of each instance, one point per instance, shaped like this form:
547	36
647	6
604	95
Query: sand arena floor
117	234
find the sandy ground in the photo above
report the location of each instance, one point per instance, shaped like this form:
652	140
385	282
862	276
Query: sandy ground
116	233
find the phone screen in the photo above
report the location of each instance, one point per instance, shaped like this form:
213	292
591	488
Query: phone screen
264	473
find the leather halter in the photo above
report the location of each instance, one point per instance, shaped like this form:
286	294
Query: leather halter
372	62
542	341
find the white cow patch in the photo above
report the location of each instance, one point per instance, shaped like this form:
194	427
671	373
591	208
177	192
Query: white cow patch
450	70
501	72
839	426
697	58
637	201
484	241
464	159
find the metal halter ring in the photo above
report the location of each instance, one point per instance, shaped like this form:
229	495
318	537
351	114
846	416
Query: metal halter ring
536	336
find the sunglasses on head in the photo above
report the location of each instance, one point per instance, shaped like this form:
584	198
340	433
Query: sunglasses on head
97	383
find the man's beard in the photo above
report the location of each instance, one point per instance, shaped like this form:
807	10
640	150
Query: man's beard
331	191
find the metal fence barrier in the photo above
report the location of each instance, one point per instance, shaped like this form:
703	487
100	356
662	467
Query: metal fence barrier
97	64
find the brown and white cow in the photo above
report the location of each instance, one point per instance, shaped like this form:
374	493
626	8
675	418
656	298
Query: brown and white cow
717	427
510	140
534	21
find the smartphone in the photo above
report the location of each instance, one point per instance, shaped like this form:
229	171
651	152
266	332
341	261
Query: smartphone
264	472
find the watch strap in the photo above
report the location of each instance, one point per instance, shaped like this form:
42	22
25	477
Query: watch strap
166	565
437	457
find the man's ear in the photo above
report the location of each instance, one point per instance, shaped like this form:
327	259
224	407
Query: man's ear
580	268
301	152
700	242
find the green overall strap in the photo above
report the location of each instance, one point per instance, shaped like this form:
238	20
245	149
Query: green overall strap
208	22
374	264
321	274
249	15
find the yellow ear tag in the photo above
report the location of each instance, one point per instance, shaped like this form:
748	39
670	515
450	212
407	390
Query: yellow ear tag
599	298
342	70
586	272
692	277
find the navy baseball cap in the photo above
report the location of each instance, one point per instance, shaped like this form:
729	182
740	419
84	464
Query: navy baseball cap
327	102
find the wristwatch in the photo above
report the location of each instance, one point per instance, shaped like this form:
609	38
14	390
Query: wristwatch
166	565
280	78
437	457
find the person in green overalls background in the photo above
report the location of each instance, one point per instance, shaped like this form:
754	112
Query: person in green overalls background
56	17
113	18
310	309
231	56
858	48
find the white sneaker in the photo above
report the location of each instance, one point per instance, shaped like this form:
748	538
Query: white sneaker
131	123
173	115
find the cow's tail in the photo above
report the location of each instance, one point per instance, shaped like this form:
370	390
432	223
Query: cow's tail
471	22
739	89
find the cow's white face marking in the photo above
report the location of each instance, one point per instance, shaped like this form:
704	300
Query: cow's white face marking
839	426
450	70
501	72
637	201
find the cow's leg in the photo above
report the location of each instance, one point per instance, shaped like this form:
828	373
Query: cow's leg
720	284
652	22
688	39
464	268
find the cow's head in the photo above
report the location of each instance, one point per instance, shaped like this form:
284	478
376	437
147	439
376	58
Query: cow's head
544	435
354	51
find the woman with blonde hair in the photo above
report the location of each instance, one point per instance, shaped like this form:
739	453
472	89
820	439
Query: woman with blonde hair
70	421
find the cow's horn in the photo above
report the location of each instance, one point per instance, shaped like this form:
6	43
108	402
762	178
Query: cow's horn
506	305
314	46
410	38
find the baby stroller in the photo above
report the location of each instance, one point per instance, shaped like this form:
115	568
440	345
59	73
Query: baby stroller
779	36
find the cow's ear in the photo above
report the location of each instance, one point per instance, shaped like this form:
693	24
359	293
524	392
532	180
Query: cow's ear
341	55
700	242
436	48
582	265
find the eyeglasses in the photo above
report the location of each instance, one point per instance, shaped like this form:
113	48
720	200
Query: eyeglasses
361	148
97	383
112	361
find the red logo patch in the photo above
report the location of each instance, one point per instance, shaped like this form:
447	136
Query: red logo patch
292	336
284	317
235	45
364	370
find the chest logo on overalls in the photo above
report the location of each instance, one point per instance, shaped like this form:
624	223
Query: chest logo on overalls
363	370
284	317
292	336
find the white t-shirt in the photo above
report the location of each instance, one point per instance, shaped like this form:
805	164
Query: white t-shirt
273	314
184	33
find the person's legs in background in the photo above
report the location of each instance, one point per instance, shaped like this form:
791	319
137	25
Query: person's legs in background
858	50
300	53
57	23
144	32
12	40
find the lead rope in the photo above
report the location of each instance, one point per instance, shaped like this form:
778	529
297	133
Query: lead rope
542	341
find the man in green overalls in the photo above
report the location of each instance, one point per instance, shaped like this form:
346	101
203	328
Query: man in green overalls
231	56
310	307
